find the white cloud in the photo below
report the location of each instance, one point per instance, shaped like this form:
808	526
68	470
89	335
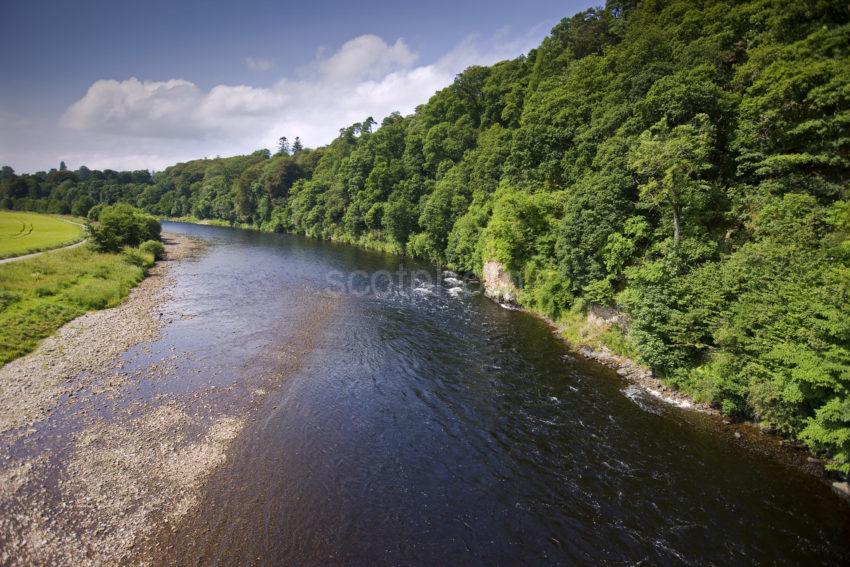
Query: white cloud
137	108
366	57
121	123
258	64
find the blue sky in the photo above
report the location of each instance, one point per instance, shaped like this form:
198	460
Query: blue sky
146	84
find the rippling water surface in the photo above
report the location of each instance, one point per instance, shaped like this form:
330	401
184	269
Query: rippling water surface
419	425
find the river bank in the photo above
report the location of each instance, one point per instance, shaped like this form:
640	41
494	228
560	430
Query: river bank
592	330
81	477
108	439
577	335
31	386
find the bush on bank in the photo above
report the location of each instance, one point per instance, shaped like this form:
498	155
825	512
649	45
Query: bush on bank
153	247
122	225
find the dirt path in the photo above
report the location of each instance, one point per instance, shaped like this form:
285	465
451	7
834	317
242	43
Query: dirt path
34	254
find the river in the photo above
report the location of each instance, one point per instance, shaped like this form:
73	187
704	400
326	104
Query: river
404	423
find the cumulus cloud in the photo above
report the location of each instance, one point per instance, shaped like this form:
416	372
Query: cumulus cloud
366	57
137	108
366	76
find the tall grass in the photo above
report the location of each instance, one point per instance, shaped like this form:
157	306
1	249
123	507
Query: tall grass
39	295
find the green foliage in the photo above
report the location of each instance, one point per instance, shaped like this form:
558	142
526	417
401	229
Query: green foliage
82	205
687	162
94	212
519	228
593	209
545	288
137	257
122	225
672	162
828	432
153	248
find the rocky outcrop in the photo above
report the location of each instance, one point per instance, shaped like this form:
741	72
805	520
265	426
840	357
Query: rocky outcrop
599	315
499	285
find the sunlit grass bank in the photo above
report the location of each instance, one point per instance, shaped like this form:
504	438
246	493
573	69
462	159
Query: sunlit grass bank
24	233
39	295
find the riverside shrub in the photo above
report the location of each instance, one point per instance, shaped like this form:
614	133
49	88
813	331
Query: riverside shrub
153	247
122	225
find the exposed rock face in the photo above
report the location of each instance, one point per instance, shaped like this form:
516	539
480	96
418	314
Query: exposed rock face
600	315
498	283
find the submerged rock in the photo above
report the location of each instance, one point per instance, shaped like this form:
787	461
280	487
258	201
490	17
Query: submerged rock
455	291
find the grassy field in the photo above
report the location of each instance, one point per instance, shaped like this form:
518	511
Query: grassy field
38	295
23	233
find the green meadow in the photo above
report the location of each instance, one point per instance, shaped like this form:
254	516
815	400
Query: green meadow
24	233
38	295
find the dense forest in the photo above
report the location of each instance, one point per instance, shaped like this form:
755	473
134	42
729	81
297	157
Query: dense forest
685	161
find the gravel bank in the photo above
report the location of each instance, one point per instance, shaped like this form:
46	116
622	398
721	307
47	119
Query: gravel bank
80	484
31	386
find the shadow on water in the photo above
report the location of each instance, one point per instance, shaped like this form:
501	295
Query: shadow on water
418	426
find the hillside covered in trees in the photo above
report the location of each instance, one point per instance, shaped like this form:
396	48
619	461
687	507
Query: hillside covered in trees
685	161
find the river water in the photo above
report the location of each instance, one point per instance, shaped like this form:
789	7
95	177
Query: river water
404	423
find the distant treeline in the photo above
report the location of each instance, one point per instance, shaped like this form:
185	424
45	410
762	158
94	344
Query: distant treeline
685	161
